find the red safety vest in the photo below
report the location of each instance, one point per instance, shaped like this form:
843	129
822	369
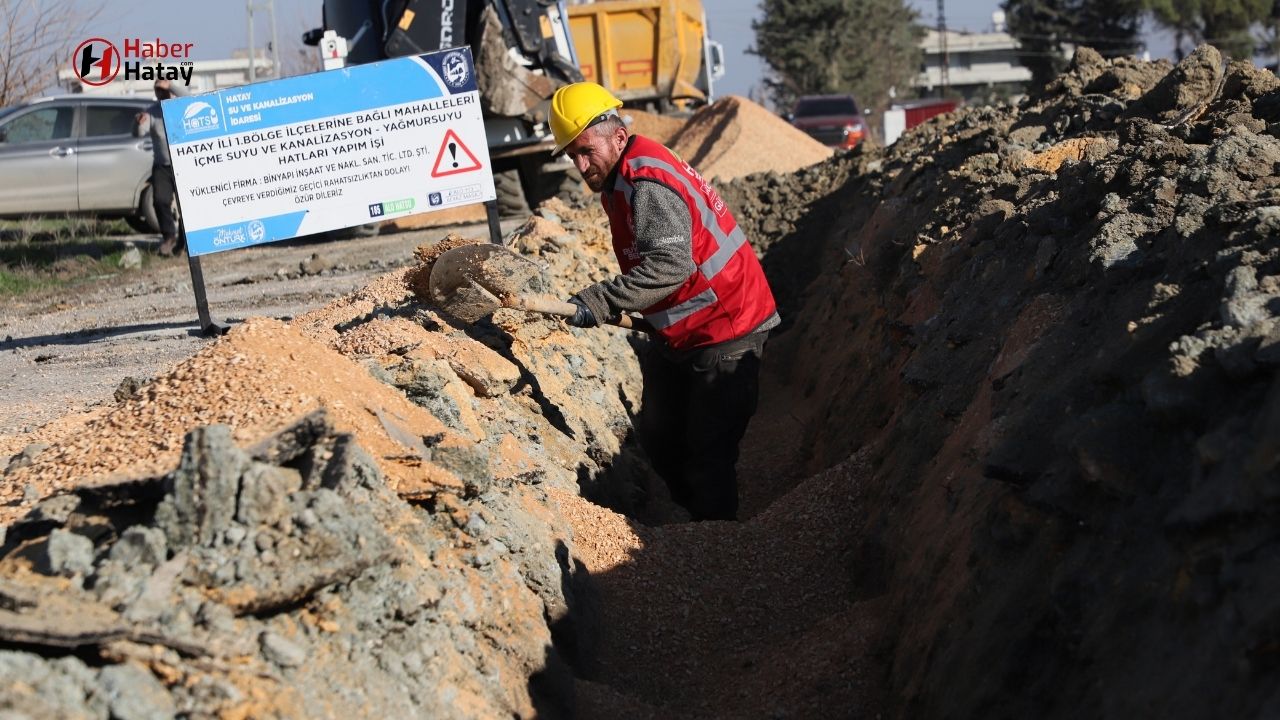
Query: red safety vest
727	296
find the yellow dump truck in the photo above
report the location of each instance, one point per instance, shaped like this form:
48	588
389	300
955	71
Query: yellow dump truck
652	54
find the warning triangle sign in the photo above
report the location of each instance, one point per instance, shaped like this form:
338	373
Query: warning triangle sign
453	156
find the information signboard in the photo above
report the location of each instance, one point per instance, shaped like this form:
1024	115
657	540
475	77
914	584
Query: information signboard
301	155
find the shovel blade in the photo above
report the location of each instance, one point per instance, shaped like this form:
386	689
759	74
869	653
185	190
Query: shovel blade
470	302
470	281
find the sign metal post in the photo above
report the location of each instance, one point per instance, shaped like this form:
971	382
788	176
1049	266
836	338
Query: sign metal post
297	156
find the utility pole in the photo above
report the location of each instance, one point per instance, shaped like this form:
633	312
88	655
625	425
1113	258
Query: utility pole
253	50
270	6
942	45
275	41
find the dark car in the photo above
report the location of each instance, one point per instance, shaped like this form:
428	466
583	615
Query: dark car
832	120
76	154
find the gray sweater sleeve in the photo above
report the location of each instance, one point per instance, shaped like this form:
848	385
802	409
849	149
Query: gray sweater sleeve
664	238
155	127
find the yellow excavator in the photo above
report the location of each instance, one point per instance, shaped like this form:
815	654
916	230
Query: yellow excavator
652	54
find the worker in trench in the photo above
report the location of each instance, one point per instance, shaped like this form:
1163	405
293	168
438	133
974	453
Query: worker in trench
689	270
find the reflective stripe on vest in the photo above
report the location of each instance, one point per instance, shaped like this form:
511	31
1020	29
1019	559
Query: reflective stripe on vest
663	319
726	245
726	295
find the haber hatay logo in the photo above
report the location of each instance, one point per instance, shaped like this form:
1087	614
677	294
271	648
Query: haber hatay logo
96	53
200	117
257	231
455	69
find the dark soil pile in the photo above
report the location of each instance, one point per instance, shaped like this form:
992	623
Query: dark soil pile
1052	331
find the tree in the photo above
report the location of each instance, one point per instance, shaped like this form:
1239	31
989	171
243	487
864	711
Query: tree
38	38
295	57
815	47
1269	38
1225	24
1044	27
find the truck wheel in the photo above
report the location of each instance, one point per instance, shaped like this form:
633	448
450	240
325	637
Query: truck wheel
367	230
511	200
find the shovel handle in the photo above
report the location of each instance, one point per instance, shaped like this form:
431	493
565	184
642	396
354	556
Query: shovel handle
568	309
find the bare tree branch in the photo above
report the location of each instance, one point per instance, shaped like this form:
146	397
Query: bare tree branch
37	39
296	58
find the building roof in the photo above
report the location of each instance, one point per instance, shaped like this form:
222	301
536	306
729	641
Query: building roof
964	41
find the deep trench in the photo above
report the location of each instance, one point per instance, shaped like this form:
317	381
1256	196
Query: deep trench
1016	456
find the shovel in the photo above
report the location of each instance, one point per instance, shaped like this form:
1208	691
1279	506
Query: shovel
472	281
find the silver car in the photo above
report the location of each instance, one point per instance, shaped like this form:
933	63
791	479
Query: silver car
76	154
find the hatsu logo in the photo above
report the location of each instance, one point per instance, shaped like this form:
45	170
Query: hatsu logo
200	117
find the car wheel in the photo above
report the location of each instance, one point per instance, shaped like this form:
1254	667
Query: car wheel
139	224
145	220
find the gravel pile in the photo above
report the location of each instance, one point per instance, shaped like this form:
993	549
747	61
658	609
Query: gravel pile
658	127
357	522
733	137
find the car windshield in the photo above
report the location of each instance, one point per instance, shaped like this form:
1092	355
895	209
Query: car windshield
826	106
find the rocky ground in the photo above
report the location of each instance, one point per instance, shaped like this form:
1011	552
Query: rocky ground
1017	455
63	350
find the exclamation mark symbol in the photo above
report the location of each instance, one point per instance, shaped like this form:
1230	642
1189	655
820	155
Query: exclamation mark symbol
453	152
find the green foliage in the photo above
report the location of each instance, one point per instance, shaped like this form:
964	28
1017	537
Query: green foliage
815	47
18	282
1042	27
1225	24
39	254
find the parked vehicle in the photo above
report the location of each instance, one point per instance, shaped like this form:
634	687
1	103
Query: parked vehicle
522	53
832	120
903	116
651	54
76	154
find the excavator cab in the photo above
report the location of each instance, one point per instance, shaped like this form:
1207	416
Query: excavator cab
522	51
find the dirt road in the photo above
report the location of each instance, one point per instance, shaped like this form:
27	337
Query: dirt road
72	350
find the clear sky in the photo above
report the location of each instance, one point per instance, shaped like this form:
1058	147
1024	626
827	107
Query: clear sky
218	28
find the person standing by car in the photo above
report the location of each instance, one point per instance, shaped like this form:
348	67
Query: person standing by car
163	186
688	268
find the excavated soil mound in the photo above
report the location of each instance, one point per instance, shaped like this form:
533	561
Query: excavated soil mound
657	127
1053	332
735	137
235	569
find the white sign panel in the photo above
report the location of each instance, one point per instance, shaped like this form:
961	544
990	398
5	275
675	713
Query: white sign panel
302	155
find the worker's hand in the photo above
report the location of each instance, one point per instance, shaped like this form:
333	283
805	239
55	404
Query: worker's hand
583	318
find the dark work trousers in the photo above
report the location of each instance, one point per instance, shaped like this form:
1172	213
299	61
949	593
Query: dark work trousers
696	410
163	188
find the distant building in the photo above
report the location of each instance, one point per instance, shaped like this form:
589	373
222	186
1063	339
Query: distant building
979	65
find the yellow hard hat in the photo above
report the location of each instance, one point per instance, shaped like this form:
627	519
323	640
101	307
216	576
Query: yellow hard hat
576	107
